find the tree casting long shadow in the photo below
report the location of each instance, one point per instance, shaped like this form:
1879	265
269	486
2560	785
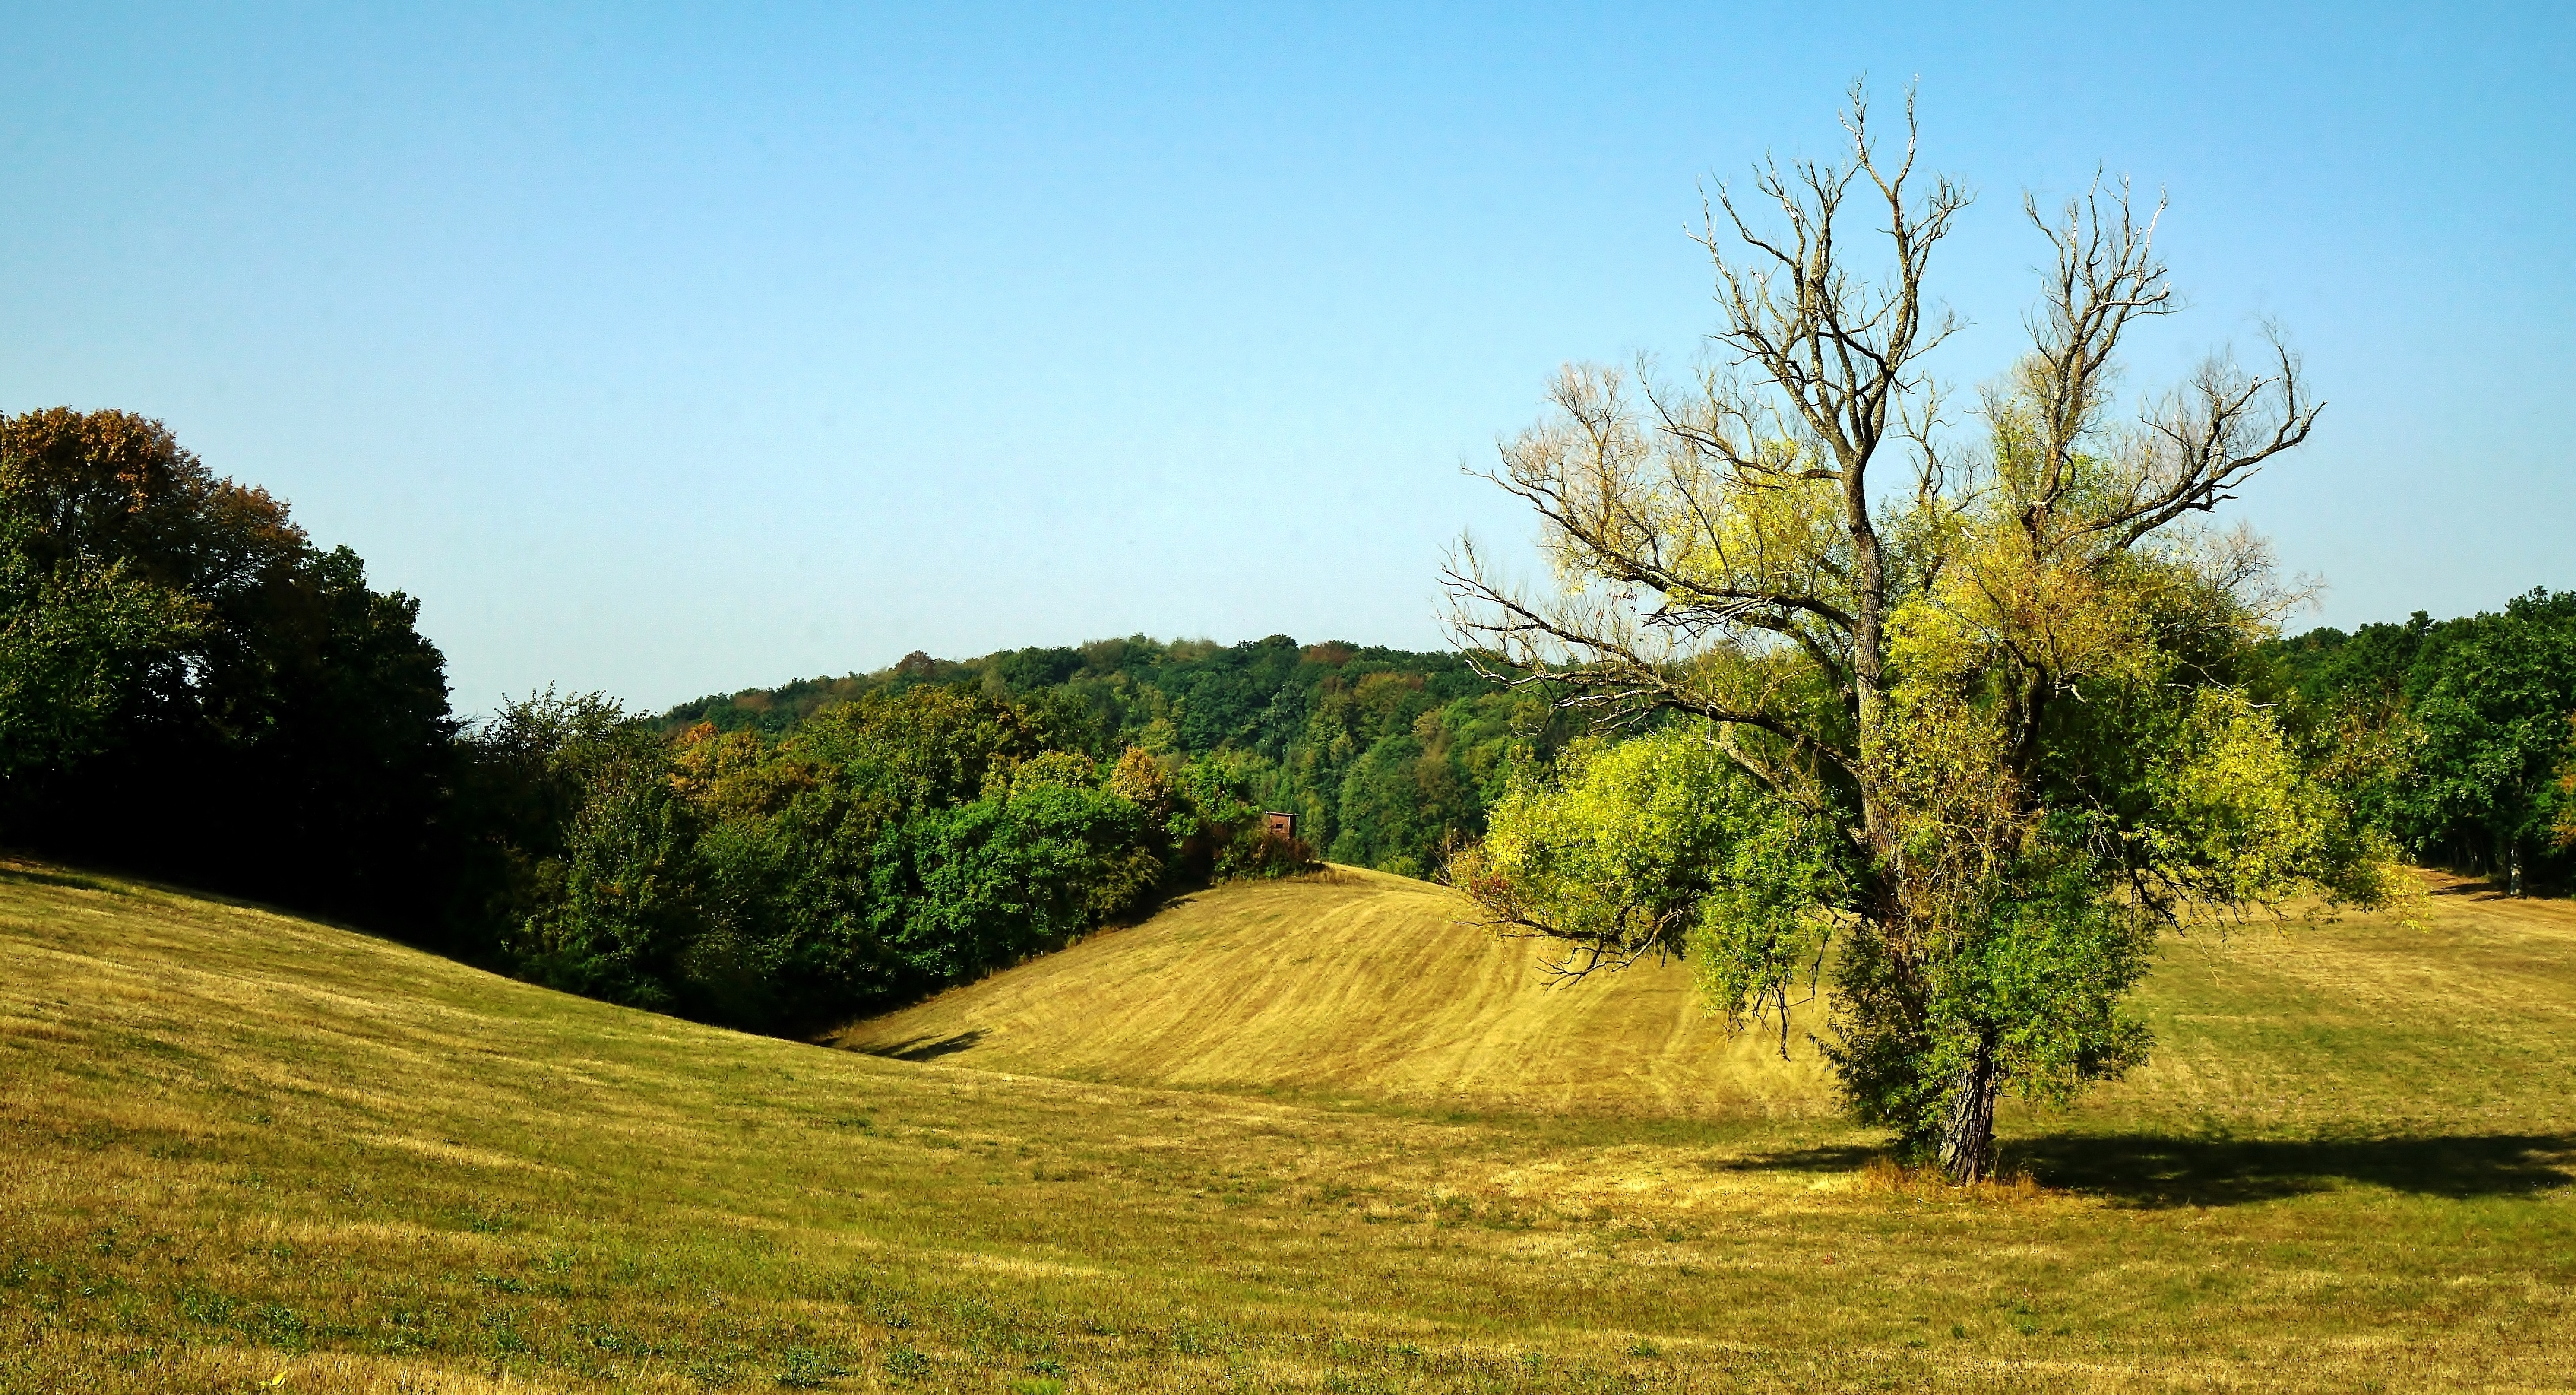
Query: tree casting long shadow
2157	1170
2160	1170
925	1048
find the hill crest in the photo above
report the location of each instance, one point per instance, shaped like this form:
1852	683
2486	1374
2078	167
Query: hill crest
1352	984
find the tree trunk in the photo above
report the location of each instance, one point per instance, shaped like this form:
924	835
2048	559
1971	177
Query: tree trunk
1968	1144
2513	862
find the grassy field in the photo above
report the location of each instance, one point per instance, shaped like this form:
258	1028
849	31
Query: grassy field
1348	987
240	1151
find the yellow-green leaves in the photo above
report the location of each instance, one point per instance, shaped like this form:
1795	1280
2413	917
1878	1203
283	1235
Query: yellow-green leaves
1613	850
2237	819
1660	845
2015	692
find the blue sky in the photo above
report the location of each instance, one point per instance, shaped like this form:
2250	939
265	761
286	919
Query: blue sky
671	351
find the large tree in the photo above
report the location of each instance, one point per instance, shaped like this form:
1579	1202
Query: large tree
257	717
1963	740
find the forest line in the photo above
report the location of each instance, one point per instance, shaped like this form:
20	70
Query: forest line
191	687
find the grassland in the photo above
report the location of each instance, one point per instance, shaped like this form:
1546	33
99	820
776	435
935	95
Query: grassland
1348	987
241	1151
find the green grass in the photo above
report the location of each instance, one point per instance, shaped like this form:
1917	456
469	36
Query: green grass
241	1151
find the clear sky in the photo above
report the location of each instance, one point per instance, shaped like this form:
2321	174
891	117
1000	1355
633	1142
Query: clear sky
670	351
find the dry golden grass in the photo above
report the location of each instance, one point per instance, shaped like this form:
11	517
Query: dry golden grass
242	1151
1354	985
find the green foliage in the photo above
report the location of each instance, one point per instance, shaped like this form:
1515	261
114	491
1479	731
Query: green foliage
2491	696
628	906
1387	758
2456	732
890	845
1661	845
2014	908
196	689
1966	754
76	640
2030	995
2229	811
521	781
1004	878
2073	757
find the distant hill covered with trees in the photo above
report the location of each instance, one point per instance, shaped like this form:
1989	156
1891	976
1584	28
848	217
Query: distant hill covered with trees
1387	757
193	688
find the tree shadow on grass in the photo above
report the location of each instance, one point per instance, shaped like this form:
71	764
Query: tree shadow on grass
2153	1170
925	1048
34	875
2158	1170
1848	1157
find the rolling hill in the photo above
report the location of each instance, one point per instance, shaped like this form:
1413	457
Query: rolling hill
243	1151
1346	985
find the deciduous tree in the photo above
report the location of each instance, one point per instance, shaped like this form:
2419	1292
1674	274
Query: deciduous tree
292	742
77	637
1962	740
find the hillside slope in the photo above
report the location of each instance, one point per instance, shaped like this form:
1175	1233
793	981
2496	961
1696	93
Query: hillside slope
1352	984
244	1151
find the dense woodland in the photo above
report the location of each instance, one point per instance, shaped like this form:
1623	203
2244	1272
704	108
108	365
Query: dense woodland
191	687
2456	733
1387	758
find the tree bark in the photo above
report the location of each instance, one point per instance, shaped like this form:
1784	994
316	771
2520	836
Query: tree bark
1968	1144
1869	657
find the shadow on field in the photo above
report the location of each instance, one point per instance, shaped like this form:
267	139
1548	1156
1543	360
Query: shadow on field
925	1048
2157	1170
1837	1158
38	876
2152	1170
